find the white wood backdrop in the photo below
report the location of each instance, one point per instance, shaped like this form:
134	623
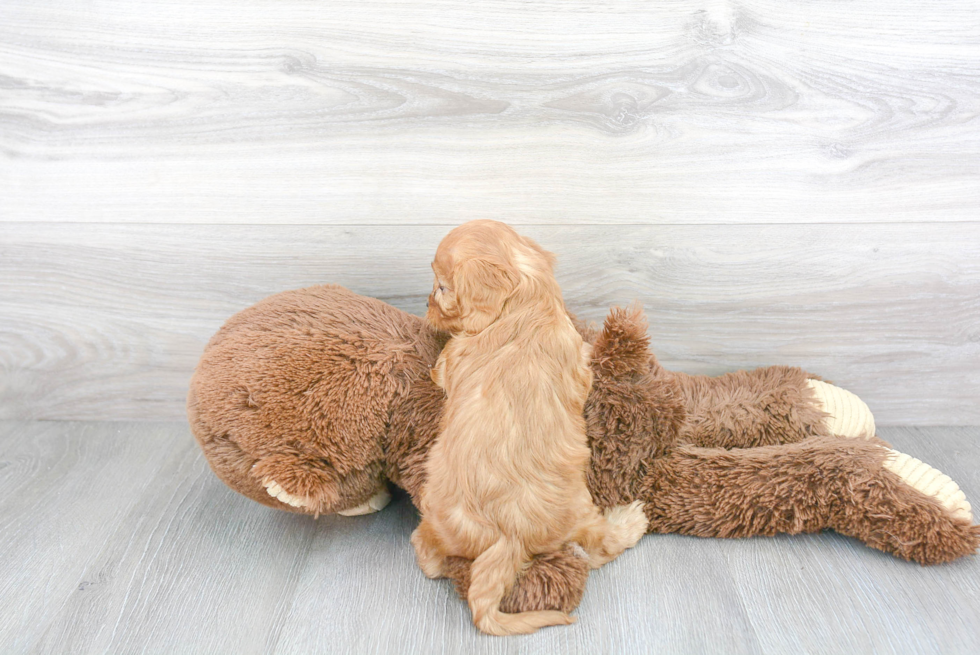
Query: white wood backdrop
779	182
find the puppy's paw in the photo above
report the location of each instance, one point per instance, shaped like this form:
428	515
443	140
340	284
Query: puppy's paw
375	503
430	561
276	491
849	415
630	520
930	482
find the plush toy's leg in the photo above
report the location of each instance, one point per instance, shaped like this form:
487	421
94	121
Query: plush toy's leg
930	482
555	581
765	407
858	488
768	406
847	415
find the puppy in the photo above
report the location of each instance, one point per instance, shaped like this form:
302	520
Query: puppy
506	477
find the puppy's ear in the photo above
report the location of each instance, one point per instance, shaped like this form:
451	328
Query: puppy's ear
438	372
482	286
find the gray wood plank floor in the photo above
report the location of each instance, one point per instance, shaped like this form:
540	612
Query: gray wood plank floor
117	538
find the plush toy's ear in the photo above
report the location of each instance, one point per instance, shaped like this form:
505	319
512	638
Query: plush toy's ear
482	285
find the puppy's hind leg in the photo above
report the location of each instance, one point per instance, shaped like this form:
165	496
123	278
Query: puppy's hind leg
428	550
605	536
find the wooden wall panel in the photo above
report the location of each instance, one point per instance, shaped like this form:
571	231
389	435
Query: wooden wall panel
107	321
352	112
779	182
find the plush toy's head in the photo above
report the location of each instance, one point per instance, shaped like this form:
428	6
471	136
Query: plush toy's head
292	399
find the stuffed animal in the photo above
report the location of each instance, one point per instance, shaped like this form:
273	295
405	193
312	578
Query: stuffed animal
315	400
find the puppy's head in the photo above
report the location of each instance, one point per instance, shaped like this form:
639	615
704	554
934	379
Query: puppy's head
475	274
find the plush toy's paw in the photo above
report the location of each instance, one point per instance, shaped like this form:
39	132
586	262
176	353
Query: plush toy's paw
375	503
849	415
927	480
276	491
631	522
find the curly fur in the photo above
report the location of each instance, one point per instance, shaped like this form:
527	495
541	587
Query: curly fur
506	477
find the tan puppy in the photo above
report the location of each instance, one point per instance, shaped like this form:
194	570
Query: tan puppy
506	478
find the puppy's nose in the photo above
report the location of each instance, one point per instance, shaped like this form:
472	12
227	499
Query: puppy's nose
426	304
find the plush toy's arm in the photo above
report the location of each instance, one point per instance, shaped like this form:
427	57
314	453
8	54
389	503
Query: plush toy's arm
767	406
857	487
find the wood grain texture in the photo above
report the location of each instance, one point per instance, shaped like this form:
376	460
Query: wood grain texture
108	321
571	111
139	548
65	490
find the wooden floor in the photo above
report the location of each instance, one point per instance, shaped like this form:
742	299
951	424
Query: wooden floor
117	538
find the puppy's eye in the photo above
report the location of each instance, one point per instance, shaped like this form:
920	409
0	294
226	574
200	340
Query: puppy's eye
442	288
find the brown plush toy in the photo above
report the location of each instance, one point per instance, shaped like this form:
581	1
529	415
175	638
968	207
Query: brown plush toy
314	400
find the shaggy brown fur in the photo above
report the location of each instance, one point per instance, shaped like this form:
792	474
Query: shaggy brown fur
298	388
768	400
823	482
635	412
330	391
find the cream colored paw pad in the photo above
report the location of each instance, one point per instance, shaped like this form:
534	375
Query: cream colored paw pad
276	491
927	480
375	503
849	415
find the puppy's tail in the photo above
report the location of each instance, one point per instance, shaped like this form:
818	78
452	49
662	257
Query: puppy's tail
491	576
